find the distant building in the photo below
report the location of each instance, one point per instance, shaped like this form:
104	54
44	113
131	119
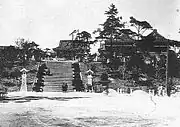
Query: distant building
3	47
155	42
123	46
71	49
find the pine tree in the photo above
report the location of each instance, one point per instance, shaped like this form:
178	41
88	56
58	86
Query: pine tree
140	26
112	26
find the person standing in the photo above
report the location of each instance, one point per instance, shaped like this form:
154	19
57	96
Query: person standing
64	87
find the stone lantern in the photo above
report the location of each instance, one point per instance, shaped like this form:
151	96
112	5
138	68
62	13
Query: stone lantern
24	80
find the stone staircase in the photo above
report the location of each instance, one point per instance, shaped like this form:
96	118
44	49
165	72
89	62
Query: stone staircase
61	73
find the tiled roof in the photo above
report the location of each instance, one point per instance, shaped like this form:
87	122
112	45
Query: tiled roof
158	39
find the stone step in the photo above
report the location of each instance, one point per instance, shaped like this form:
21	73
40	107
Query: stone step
69	82
68	77
57	83
59	66
56	89
57	86
58	72
52	88
58	79
61	73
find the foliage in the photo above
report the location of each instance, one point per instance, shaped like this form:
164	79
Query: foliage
91	57
42	70
111	30
19	55
82	48
77	81
173	65
112	25
140	26
14	58
104	77
141	66
27	49
9	56
9	59
75	49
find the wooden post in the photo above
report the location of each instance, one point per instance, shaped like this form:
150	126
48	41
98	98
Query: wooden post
111	50
167	62
124	67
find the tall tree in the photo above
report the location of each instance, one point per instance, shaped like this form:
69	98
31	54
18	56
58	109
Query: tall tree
26	48
139	28
111	28
82	44
85	37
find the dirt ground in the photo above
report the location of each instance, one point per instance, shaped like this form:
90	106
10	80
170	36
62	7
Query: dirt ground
83	110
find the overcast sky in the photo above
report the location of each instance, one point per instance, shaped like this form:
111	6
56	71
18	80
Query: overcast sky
48	21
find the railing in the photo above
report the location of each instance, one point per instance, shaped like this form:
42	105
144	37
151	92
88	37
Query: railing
160	91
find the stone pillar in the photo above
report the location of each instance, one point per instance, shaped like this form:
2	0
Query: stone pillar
24	80
153	92
149	91
118	90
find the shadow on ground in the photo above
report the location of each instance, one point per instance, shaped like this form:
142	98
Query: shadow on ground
41	120
18	99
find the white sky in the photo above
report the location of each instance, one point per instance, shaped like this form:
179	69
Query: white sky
48	21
